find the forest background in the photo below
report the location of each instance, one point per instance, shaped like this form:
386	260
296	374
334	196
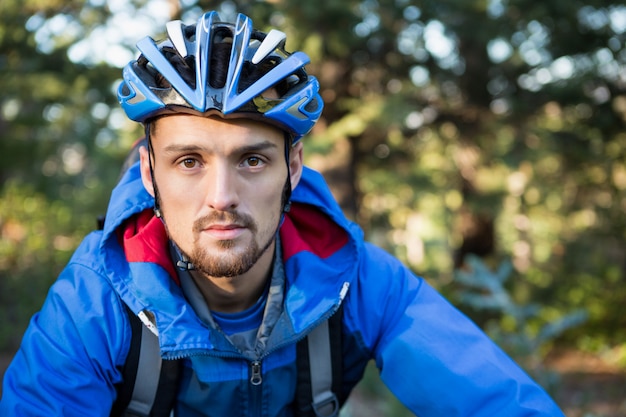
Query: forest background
480	141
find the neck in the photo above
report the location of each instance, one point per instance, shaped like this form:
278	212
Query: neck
235	294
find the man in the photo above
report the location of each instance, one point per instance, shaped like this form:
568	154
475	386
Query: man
231	251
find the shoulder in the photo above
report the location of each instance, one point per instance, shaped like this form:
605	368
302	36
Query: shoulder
379	271
80	336
85	313
382	293
84	296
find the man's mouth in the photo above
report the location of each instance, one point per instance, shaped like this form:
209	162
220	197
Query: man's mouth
224	231
224	225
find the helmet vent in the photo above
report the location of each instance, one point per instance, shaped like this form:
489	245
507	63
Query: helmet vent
270	43
175	33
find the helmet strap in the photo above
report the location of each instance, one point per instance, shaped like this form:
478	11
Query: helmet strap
287	190
157	208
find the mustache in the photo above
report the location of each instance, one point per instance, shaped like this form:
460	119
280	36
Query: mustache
230	217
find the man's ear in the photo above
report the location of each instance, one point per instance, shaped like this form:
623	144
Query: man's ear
295	164
146	174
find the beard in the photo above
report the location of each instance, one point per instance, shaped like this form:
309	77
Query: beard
229	260
225	263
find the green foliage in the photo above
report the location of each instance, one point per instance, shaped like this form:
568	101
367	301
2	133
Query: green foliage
526	331
38	236
59	154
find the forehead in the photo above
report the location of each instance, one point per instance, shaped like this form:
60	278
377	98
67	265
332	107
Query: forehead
213	132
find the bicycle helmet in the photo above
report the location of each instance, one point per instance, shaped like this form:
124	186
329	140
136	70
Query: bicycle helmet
176	76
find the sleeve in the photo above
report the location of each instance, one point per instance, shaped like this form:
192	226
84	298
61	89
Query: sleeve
67	364
431	356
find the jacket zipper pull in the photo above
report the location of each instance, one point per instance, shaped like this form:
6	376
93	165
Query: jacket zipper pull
255	373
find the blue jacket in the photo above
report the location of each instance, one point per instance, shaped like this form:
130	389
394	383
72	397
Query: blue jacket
431	356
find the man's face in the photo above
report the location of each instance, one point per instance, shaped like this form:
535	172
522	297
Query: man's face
219	185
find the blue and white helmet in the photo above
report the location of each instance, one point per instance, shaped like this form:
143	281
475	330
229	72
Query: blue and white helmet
154	85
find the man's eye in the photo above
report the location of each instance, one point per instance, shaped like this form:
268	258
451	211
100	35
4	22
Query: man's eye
254	161
189	163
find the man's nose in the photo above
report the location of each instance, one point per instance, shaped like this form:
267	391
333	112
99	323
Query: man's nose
222	188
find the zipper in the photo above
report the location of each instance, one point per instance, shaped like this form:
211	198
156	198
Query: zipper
256	378
256	374
256	389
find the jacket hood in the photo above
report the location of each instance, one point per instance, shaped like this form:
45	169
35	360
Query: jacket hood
320	252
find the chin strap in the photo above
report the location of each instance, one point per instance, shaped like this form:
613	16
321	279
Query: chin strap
157	210
185	266
182	262
287	189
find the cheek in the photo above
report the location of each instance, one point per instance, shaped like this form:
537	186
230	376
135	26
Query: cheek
177	205
263	202
176	190
177	219
269	194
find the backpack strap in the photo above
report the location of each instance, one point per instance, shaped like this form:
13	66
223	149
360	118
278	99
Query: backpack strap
320	375
156	393
129	372
319	382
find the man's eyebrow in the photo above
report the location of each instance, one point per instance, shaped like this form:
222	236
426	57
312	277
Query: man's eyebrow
179	148
254	147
